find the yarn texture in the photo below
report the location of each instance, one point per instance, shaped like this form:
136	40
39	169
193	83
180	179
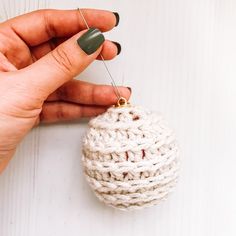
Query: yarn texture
130	157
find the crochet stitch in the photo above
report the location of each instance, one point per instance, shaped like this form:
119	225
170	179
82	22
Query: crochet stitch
130	157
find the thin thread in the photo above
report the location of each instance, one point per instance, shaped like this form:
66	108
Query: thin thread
113	83
82	15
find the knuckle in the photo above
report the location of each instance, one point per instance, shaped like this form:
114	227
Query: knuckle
49	27
60	113
62	93
62	60
94	93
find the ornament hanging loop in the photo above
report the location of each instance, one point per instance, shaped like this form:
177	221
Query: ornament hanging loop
122	102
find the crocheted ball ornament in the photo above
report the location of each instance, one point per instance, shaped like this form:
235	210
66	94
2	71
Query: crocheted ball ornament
130	157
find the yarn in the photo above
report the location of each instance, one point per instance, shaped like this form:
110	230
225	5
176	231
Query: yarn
130	157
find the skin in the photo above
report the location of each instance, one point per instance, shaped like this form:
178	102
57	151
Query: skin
39	58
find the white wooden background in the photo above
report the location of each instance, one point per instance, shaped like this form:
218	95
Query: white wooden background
179	56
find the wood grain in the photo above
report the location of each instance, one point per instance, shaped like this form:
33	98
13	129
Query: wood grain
179	57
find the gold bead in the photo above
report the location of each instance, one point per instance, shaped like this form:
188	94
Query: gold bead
122	102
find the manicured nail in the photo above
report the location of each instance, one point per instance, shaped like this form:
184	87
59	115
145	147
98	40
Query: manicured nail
130	89
117	18
90	41
118	47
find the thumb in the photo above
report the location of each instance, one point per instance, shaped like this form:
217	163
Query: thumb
64	62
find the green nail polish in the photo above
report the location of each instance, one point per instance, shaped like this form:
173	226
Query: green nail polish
130	89
90	41
118	47
117	18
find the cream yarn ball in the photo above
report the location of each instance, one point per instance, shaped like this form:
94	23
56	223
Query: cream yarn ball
130	157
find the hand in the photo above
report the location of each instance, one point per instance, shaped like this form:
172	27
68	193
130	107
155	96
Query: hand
40	53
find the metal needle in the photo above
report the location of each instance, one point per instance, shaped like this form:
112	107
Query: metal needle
116	90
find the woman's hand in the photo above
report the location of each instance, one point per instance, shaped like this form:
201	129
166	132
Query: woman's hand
40	53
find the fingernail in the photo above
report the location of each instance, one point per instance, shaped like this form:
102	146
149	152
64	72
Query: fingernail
90	41
130	89
118	47
117	18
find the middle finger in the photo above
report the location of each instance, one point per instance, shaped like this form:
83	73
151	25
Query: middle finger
87	93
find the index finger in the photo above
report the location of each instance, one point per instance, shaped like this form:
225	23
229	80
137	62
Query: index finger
40	26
